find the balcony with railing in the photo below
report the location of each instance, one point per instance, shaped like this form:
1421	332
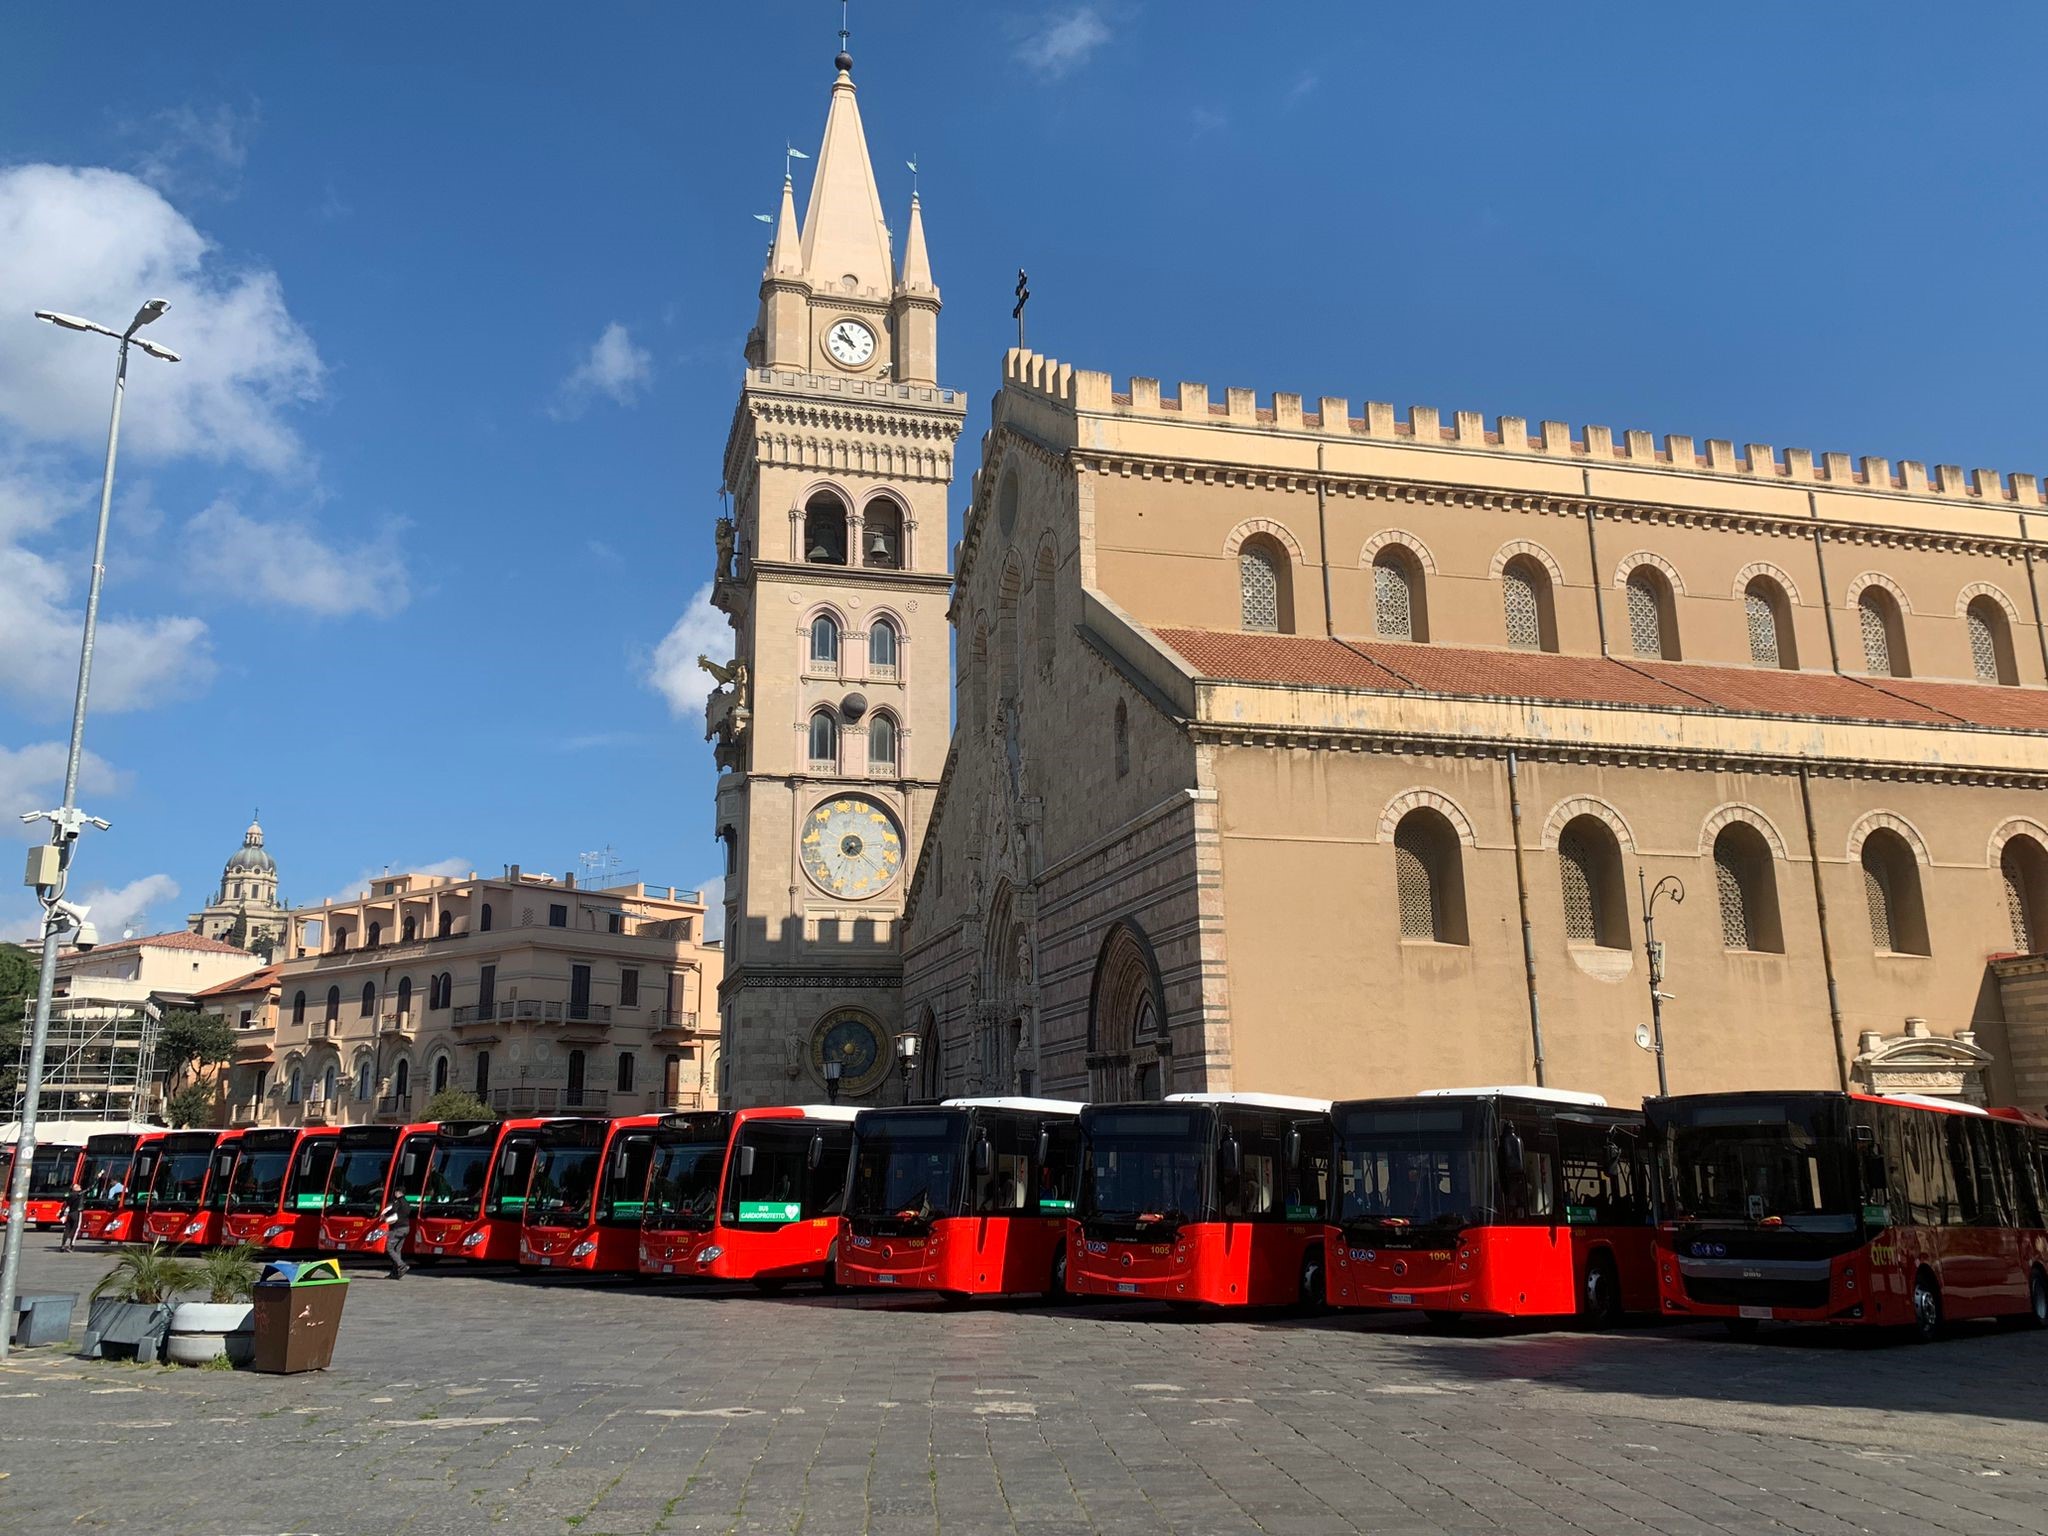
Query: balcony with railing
532	1010
401	1024
323	1029
551	1101
245	1112
671	1026
394	1106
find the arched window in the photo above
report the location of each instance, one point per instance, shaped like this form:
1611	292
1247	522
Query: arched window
1748	888
1399	610
484	921
376	936
974	689
369	1005
1123	739
625	1071
401	1080
824	739
882	535
573	1096
333	1004
1595	900
446	925
298	1007
825	530
409	931
1884	636
1045	607
2023	864
825	641
1265	586
883	643
330	1083
483	1075
1891	887
1429	877
404	995
881	743
440	1074
1769	614
1652	622
365	1083
1527	604
296	1093
1990	642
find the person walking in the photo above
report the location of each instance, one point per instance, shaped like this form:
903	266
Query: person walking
74	1213
396	1218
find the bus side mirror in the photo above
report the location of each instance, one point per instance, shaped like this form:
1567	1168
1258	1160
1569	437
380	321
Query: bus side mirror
1233	1157
1511	1151
984	1155
1044	1145
619	1163
746	1162
1294	1148
817	1157
305	1162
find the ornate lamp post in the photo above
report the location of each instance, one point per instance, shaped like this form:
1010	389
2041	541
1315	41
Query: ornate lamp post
907	1045
1652	1039
833	1072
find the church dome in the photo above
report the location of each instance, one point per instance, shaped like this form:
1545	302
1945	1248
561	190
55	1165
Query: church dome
251	858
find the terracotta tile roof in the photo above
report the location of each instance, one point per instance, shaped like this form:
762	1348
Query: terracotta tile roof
1259	658
255	981
181	939
1309	661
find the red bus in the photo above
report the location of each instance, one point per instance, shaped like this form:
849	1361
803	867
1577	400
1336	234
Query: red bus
6	1180
970	1197
170	1188
108	1177
373	1164
476	1190
51	1172
749	1194
1813	1207
1203	1198
278	1188
1504	1202
584	1204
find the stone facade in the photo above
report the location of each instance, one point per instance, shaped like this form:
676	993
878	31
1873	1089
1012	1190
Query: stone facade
1311	752
246	909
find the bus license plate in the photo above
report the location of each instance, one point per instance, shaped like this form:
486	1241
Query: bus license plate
1401	1299
545	1261
1127	1287
885	1279
1761	1314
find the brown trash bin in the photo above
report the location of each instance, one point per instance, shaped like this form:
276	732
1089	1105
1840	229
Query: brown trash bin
296	1325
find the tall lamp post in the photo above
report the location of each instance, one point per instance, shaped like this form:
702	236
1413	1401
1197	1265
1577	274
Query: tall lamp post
833	1072
49	864
1652	1039
907	1045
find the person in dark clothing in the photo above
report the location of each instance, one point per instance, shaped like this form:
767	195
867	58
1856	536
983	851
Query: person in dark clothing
397	1221
74	1213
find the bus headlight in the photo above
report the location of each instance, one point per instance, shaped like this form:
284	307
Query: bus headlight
706	1255
583	1250
270	1232
472	1240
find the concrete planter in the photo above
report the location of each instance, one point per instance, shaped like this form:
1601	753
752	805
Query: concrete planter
206	1330
124	1327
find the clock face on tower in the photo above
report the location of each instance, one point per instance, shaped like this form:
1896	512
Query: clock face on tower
852	847
850	343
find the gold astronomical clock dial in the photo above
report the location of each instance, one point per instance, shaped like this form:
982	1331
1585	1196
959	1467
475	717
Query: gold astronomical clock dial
852	847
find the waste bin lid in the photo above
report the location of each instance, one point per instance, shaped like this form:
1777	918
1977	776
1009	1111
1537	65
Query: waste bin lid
308	1272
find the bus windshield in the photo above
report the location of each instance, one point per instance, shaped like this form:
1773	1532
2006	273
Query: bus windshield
773	1179
564	1179
682	1192
181	1178
1148	1168
50	1171
908	1166
104	1166
355	1185
1422	1167
259	1178
455	1180
1783	1164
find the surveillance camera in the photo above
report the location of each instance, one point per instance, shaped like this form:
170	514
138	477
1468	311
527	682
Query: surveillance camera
87	937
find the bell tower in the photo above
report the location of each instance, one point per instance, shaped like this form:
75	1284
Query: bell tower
832	721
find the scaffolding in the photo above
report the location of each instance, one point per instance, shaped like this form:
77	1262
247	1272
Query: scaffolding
99	1064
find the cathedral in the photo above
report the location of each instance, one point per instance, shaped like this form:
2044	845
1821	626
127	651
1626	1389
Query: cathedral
1308	747
245	911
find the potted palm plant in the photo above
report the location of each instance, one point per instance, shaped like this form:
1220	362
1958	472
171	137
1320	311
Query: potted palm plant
131	1306
220	1325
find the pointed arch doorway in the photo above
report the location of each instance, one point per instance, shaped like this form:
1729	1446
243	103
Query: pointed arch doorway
1128	1052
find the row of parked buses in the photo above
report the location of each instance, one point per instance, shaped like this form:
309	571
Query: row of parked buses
1504	1202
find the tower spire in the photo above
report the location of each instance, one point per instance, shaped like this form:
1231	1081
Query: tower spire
844	233
917	263
783	256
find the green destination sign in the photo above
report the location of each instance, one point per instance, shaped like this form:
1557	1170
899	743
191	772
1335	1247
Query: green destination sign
770	1210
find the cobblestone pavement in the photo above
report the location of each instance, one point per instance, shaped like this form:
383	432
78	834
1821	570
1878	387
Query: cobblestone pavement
460	1402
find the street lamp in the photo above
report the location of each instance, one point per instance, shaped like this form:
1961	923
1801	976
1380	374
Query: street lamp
49	864
907	1045
1652	1039
833	1072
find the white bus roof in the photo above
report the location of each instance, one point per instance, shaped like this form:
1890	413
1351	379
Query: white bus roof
825	1111
1930	1101
1040	1106
73	1133
1256	1100
1517	1091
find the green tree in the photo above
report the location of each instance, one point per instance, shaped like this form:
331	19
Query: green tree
196	1104
457	1104
187	1039
18	965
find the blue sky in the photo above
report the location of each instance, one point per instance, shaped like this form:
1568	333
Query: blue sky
462	292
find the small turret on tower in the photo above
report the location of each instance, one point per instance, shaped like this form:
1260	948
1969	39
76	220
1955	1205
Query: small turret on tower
914	310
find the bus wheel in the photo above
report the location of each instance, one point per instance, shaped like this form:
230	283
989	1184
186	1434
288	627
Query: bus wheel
1926	1307
1313	1298
1600	1295
1057	1290
2036	1315
830	1282
1740	1327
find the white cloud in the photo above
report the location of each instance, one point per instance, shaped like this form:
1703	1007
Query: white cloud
616	369
137	663
1064	42
361	884
115	910
286	561
673	672
32	779
96	242
713	891
195	152
1305	84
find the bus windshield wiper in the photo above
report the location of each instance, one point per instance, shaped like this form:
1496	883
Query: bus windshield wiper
1173	1217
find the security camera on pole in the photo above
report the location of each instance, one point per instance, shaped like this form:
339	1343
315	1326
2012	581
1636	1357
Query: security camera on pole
49	864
